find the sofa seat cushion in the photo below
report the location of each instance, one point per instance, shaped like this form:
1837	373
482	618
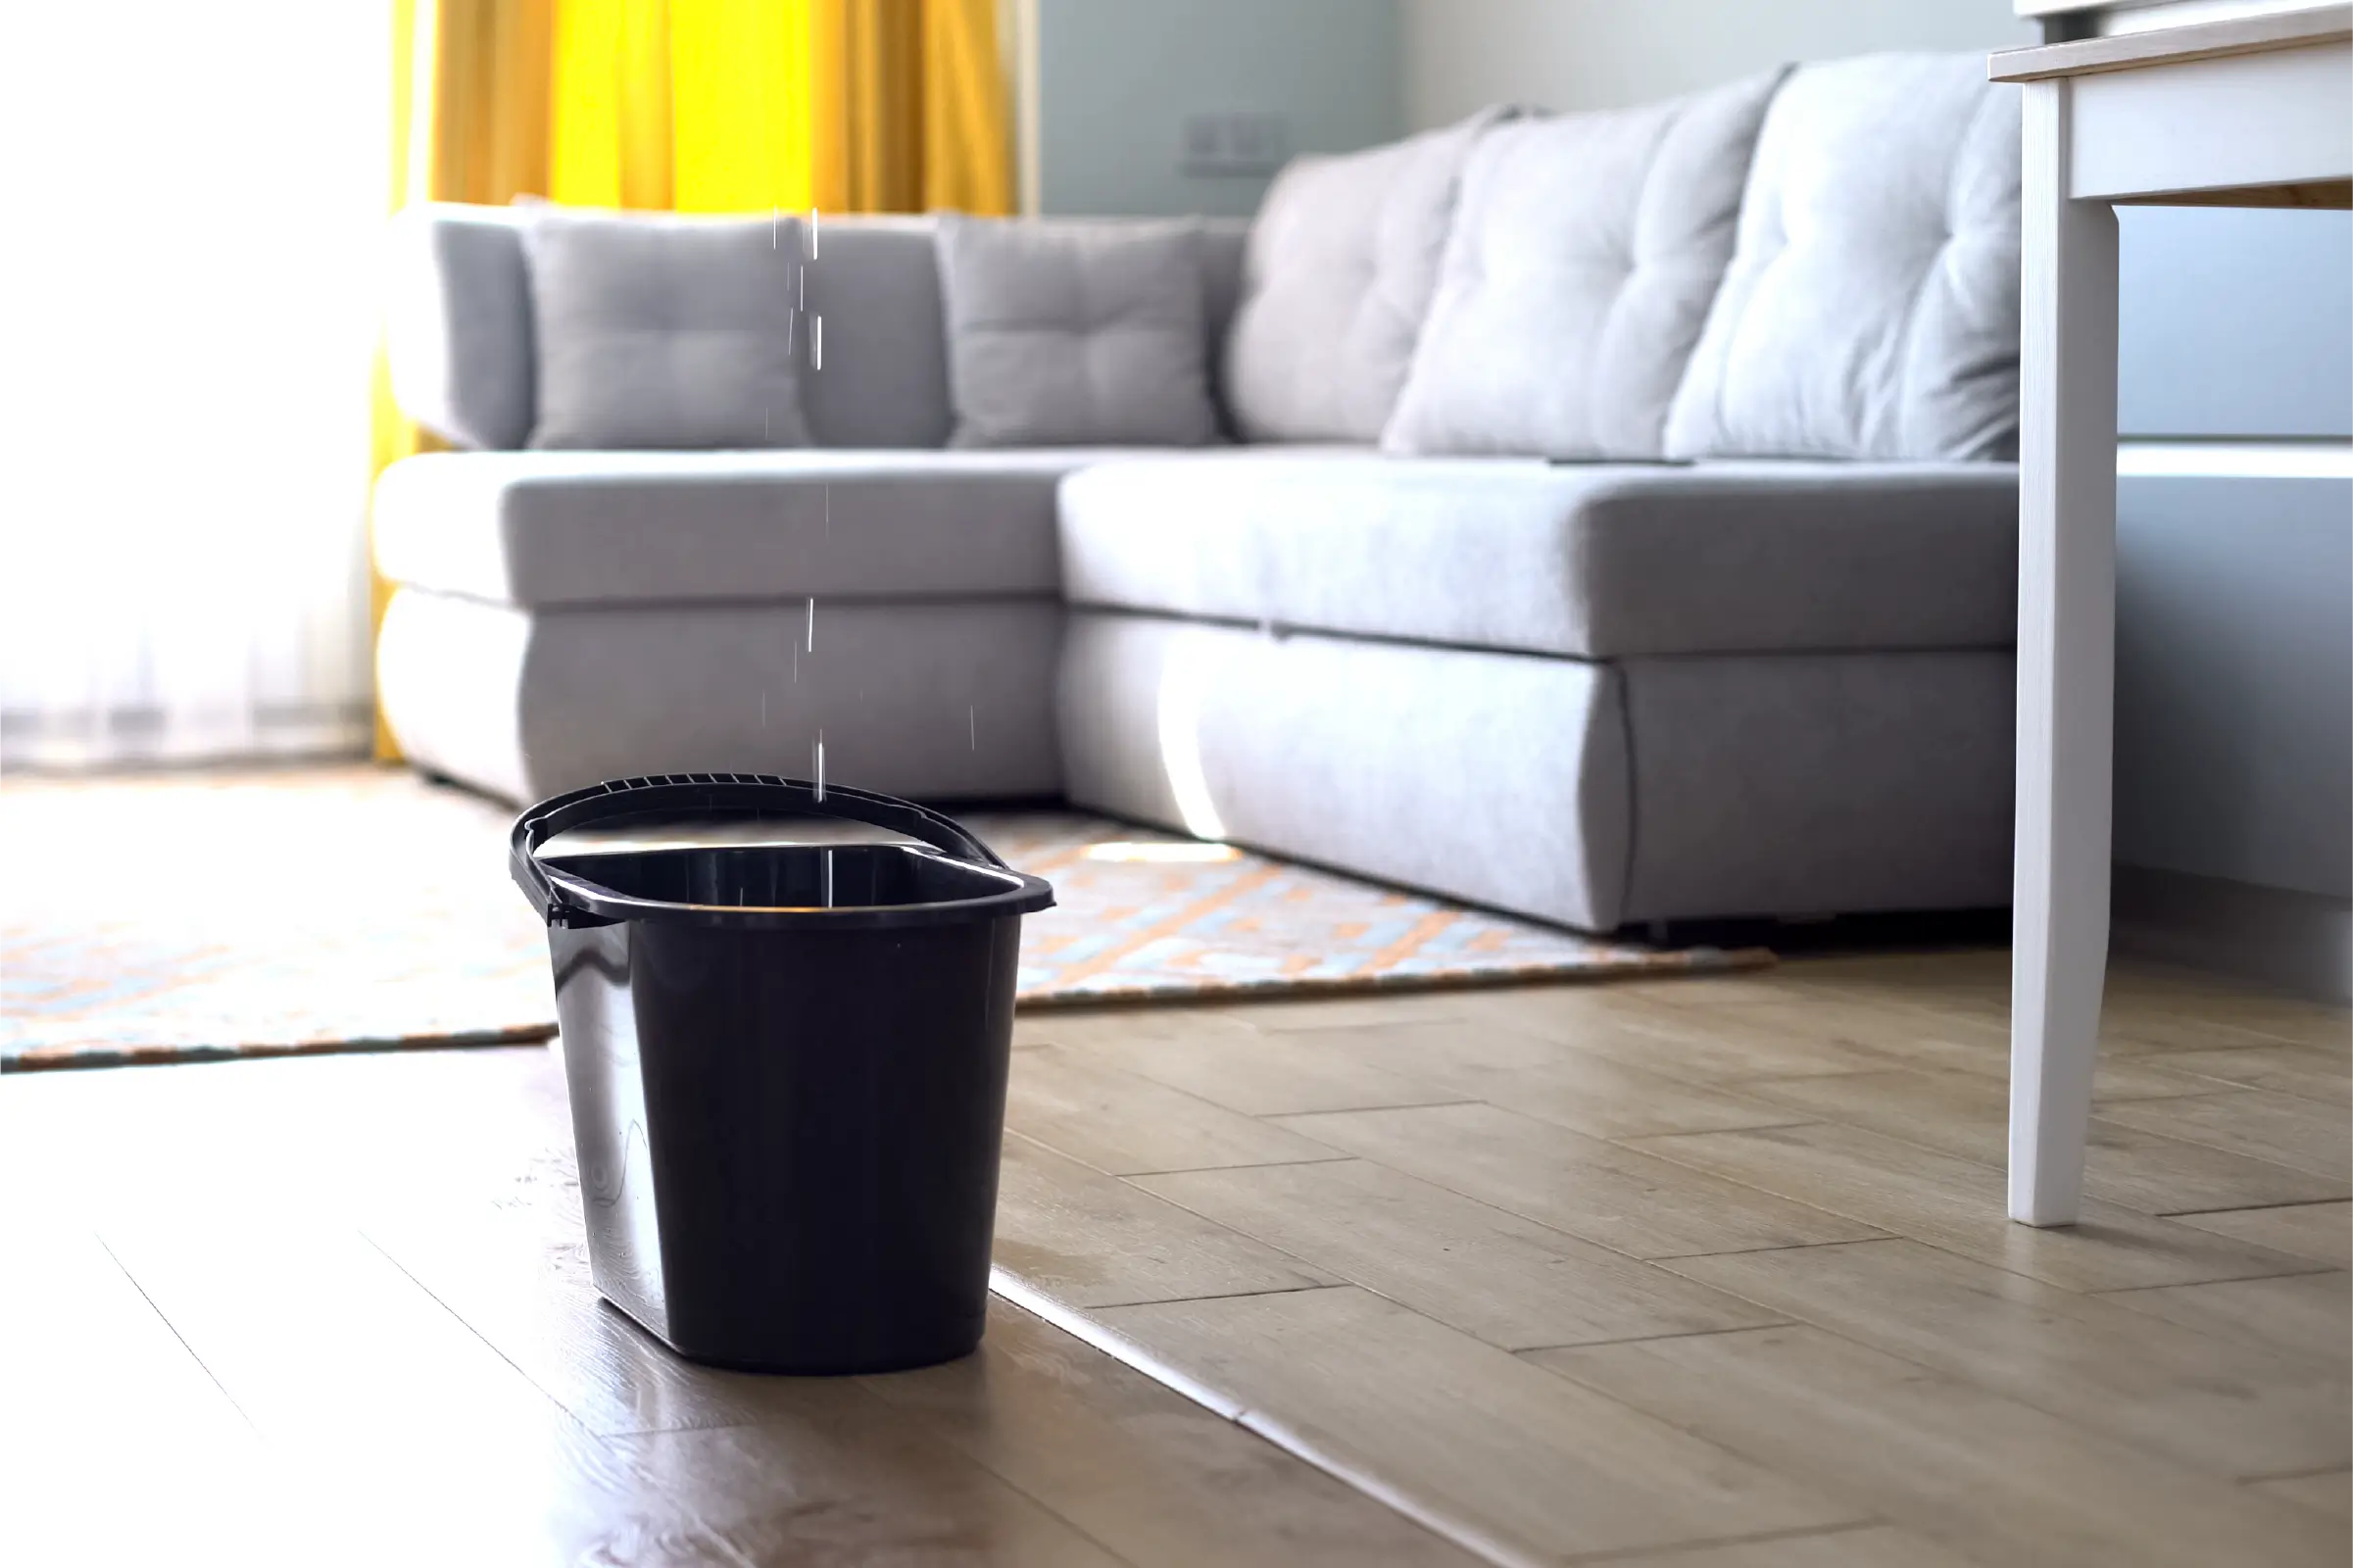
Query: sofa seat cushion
1589	562
604	527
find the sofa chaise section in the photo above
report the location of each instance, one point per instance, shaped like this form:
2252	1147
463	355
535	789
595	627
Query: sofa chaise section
1594	560
1599	693
1495	777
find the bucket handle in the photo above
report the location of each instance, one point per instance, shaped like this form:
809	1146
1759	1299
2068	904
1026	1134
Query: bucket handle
707	791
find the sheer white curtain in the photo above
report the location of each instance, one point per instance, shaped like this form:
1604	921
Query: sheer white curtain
193	197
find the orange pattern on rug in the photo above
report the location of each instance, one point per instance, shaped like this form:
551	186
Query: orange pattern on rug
196	916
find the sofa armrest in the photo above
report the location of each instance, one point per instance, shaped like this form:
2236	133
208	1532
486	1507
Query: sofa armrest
458	323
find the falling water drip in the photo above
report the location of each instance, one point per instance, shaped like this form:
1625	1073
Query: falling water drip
812	623
816	342
775	217
828	871
972	723
812	232
820	769
788	331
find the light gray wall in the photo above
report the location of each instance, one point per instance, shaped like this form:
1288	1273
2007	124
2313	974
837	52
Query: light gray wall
2235	595
1117	78
2234	680
2235	600
2235	323
1592	54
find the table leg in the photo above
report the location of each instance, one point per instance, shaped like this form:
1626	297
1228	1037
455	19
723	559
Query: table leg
2066	665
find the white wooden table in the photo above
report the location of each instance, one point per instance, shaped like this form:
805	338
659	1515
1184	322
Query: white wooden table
2247	111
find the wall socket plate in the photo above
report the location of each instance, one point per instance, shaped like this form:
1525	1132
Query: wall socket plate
1252	143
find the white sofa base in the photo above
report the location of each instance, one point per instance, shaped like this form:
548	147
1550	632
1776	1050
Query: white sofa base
937	700
1592	794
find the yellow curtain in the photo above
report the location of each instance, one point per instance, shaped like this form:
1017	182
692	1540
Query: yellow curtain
705	106
720	106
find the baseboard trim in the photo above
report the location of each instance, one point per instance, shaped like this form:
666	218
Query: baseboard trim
2300	942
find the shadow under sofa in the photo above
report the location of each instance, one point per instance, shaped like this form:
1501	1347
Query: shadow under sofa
1595	694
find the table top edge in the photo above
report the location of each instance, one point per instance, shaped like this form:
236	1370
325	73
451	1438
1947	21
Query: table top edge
2165	46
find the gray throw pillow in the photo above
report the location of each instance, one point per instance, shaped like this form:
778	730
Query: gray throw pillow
1871	308
1075	333
665	332
1585	252
1336	280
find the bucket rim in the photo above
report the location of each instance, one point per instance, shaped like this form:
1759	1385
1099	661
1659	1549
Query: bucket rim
565	899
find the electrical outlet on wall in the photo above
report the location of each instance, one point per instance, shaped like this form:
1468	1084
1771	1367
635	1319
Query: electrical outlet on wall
1238	143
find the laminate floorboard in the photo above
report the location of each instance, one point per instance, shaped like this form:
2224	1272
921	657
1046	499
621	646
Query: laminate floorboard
2315	1072
1579	1089
1087	1238
2302	1315
2165	1384
1957	1204
1100	1443
1125	1124
1871	1546
1510	1281
1605	1193
1995	1480
1275	1074
2229	1403
2257	1123
336	1310
1374	1388
96	1387
2322	1232
1695	1273
2330	1493
1969	1116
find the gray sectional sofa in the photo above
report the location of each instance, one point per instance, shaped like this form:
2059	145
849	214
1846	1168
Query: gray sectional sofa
1614	525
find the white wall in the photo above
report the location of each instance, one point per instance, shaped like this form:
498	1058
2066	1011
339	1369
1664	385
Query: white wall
1116	79
1586	54
2235	595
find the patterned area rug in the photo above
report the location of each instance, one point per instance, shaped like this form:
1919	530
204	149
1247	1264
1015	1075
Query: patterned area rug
1147	917
196	916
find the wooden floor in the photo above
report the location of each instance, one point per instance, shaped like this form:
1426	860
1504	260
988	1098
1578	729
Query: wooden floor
336	1311
1696	1274
1715	1272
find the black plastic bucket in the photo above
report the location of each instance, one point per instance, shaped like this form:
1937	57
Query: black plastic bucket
786	1015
